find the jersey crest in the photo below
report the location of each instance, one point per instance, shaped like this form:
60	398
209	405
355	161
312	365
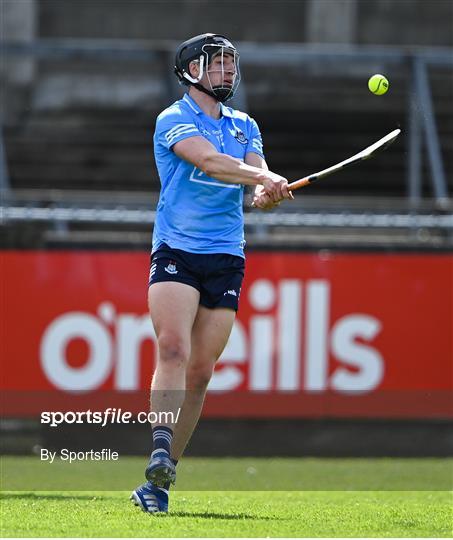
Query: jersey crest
240	137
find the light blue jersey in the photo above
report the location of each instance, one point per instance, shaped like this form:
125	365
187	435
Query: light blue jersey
197	213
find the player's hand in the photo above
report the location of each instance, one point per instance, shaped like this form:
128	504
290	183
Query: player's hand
264	202
276	187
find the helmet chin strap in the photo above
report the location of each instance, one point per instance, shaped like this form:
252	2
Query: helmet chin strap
218	93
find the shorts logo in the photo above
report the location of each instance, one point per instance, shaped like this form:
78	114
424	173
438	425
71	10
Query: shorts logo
152	271
240	137
230	291
171	268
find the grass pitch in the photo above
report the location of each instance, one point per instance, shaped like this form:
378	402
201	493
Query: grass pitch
228	513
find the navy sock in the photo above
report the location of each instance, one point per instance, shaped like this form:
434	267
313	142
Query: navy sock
162	437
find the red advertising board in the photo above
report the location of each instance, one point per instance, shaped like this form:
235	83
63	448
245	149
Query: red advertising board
317	335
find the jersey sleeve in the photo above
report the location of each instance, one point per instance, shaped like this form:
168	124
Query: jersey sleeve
173	126
255	143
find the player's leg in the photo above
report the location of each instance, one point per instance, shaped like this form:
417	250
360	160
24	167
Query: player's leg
173	308
219	297
210	334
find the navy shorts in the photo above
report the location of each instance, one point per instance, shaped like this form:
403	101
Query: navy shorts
218	276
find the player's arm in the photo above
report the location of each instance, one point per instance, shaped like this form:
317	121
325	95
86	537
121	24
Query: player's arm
261	199
201	153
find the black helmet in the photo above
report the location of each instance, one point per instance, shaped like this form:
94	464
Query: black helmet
203	48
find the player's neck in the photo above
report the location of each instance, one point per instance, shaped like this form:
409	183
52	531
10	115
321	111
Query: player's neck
207	104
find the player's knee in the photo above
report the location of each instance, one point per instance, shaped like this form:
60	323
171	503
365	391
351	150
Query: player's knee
198	377
172	349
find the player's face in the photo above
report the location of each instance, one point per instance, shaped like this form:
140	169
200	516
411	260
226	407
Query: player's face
221	71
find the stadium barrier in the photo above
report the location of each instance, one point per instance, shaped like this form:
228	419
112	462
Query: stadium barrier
318	335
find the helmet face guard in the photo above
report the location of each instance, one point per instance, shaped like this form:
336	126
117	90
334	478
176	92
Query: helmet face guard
202	50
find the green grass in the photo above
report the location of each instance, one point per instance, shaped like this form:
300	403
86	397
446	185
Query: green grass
226	474
228	513
232	514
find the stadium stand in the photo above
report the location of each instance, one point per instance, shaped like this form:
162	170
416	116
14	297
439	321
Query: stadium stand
80	112
305	127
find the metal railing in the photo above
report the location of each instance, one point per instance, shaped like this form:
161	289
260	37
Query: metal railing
144	216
